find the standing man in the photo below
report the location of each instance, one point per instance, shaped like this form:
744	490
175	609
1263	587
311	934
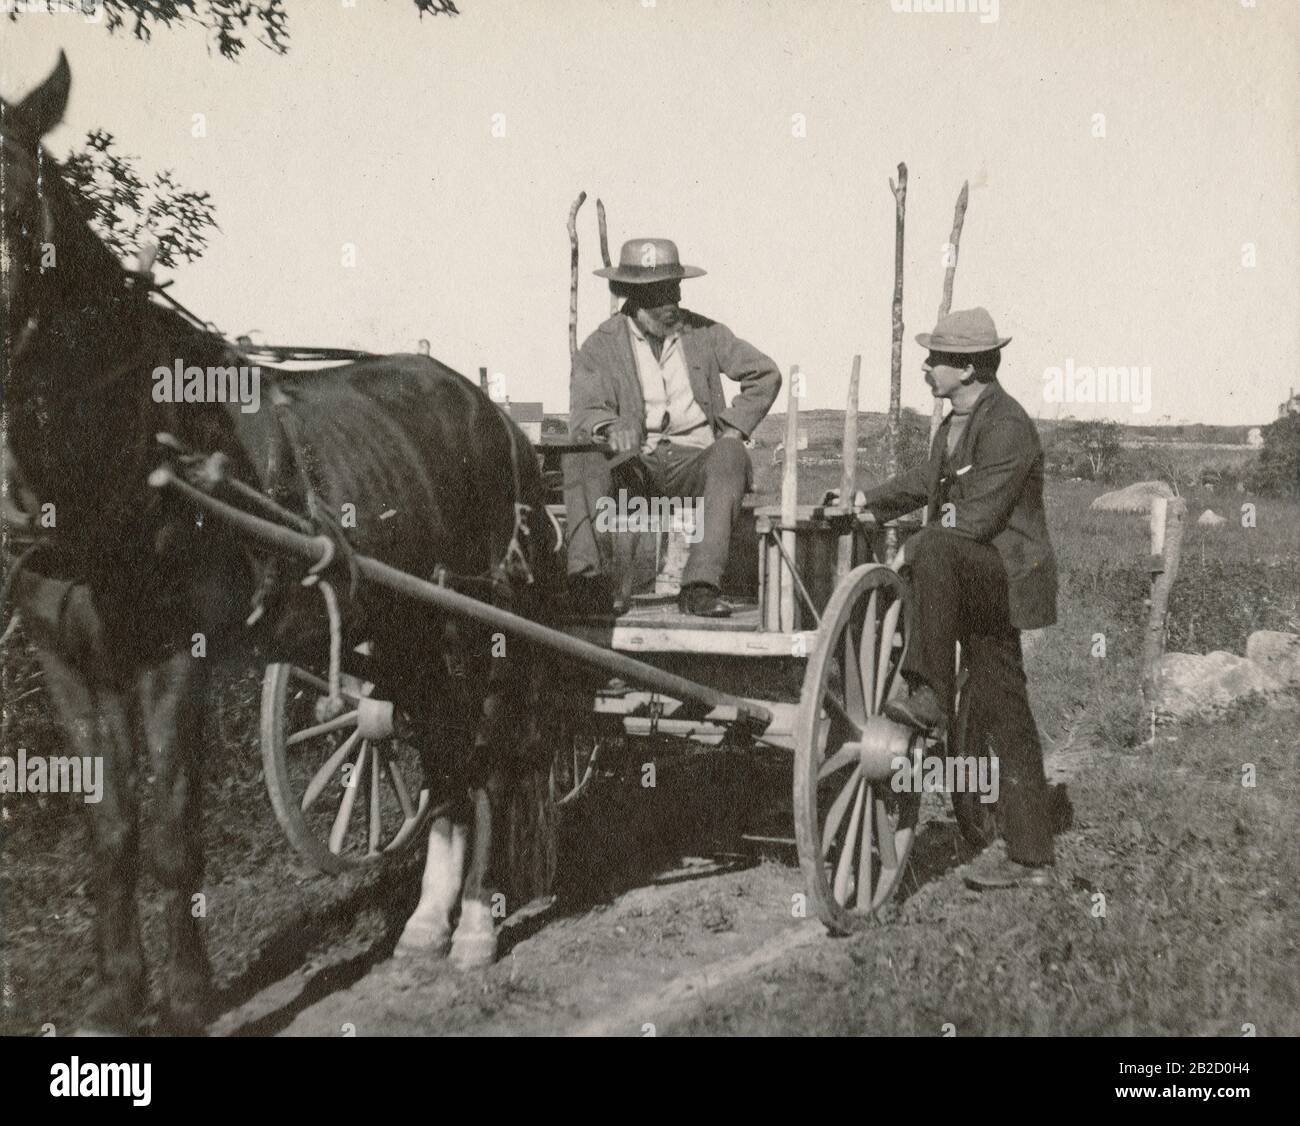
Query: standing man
981	571
647	383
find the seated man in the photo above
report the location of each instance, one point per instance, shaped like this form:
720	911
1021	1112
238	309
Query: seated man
647	383
981	571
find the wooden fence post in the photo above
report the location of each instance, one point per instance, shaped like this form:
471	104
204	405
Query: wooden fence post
573	273
849	467
614	301
1168	517
945	303
896	351
790	500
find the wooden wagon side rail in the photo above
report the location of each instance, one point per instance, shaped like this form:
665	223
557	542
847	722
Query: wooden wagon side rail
315	549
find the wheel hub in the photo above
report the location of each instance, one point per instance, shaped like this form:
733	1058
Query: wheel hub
883	744
374	718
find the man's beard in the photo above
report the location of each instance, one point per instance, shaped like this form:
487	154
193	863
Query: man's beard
660	325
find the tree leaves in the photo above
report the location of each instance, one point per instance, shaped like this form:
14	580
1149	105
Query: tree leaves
121	205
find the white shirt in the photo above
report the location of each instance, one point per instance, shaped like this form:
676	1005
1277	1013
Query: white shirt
666	385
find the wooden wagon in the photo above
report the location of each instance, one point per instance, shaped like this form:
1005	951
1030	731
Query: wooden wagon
816	600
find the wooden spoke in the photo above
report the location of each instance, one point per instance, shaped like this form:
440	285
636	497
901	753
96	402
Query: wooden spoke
372	822
885	668
865	888
838	806
838	761
854	698
398	783
347	719
850	845
327	771
322	686
344	817
836	705
867	652
885	835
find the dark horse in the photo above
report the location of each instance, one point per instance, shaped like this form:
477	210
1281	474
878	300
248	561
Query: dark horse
128	576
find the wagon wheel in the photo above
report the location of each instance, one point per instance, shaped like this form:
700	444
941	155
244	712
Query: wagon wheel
346	792
853	830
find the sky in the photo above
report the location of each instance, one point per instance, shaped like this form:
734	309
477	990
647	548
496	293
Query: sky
1163	234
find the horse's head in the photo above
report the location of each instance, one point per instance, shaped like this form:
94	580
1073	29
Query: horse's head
28	215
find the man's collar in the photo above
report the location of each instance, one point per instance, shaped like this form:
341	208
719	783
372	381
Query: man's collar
983	396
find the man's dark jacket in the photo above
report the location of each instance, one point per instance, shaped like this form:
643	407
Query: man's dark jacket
994	482
605	386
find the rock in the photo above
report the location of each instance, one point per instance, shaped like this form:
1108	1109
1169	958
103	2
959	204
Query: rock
1192	684
1211	519
1276	653
1131	498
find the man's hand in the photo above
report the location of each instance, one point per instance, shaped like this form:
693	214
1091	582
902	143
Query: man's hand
832	500
621	436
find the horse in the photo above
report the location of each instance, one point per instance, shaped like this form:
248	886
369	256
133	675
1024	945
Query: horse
128	575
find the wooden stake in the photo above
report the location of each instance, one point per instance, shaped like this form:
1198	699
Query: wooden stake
945	303
790	498
604	250
954	242
849	466
896	352
573	273
1167	521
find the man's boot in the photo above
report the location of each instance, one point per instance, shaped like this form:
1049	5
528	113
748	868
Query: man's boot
919	709
704	601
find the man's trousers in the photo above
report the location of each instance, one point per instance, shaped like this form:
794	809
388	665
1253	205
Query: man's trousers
959	592
718	473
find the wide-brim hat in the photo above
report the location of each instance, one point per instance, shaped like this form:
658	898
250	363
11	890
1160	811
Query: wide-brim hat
968	330
644	261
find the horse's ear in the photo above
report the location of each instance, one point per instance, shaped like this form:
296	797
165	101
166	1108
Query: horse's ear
43	108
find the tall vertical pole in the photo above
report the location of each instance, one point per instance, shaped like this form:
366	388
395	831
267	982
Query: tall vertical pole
604	250
945	303
849	467
896	353
790	498
573	273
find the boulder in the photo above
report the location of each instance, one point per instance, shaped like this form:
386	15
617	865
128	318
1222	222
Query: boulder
1277	653
1191	684
1131	498
1211	519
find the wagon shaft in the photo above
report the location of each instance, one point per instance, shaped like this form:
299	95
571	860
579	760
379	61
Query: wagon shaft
274	537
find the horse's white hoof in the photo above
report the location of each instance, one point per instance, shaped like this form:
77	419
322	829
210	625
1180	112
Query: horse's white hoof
425	939
473	950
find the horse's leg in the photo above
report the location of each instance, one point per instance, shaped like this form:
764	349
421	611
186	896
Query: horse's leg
171	706
428	930
475	942
97	721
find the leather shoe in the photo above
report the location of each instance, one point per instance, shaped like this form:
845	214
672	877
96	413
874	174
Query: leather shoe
919	709
994	873
703	600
